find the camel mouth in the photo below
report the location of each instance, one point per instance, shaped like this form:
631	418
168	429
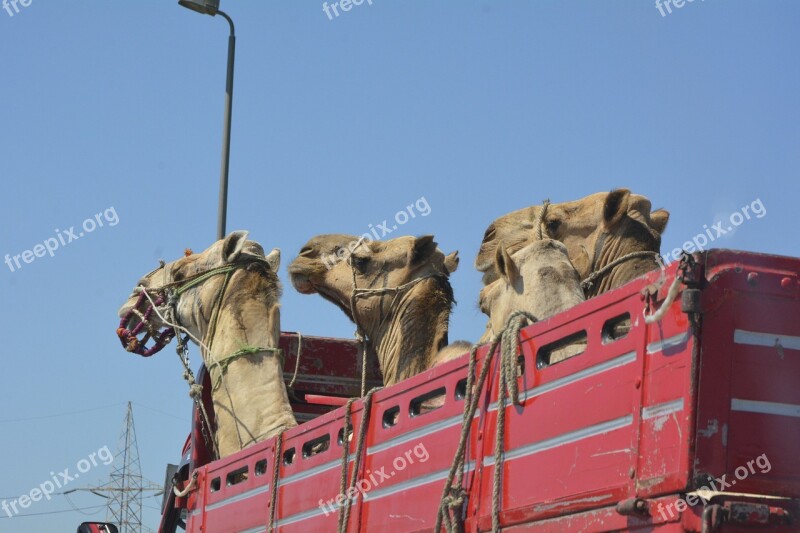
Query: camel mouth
302	283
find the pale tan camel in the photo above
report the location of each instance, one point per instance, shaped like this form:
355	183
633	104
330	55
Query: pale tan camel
538	279
236	314
611	237
397	292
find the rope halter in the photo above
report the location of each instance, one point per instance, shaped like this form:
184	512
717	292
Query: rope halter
129	337
167	294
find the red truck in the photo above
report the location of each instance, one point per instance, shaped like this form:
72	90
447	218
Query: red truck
686	423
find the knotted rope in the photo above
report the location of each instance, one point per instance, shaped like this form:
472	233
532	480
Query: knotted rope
223	363
540	218
344	489
297	361
588	283
276	464
196	394
507	388
453	495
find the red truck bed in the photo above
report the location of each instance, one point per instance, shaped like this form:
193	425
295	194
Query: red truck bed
620	437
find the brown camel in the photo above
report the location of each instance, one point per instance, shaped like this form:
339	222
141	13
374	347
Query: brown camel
397	293
611	237
236	314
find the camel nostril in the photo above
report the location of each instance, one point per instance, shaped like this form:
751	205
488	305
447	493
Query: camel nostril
306	251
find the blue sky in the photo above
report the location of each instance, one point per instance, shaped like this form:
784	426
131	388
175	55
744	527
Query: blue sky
479	107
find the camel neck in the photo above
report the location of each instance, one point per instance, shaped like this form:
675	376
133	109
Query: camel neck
413	329
249	393
613	248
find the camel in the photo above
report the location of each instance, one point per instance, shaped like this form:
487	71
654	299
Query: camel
600	231
237	316
538	279
397	293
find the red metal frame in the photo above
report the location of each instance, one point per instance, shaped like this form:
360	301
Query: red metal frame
648	416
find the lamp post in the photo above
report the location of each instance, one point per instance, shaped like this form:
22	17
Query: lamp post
211	7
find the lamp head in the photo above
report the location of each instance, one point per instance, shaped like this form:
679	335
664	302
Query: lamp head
206	7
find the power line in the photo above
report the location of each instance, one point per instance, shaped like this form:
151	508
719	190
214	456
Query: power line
181	418
98	507
42	417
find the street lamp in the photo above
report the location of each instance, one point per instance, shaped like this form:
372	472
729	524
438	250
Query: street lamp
211	7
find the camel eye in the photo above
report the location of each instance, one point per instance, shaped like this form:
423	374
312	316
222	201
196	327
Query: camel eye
360	262
552	226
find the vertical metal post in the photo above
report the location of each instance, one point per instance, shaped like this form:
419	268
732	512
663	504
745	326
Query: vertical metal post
222	212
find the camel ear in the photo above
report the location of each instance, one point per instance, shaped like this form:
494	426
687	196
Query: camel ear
451	262
659	219
232	246
506	266
615	207
274	259
423	248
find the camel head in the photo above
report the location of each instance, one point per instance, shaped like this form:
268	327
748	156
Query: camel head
400	290
606	226
596	230
327	265
538	278
193	307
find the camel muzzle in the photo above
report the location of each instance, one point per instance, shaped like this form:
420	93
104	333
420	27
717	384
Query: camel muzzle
130	337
